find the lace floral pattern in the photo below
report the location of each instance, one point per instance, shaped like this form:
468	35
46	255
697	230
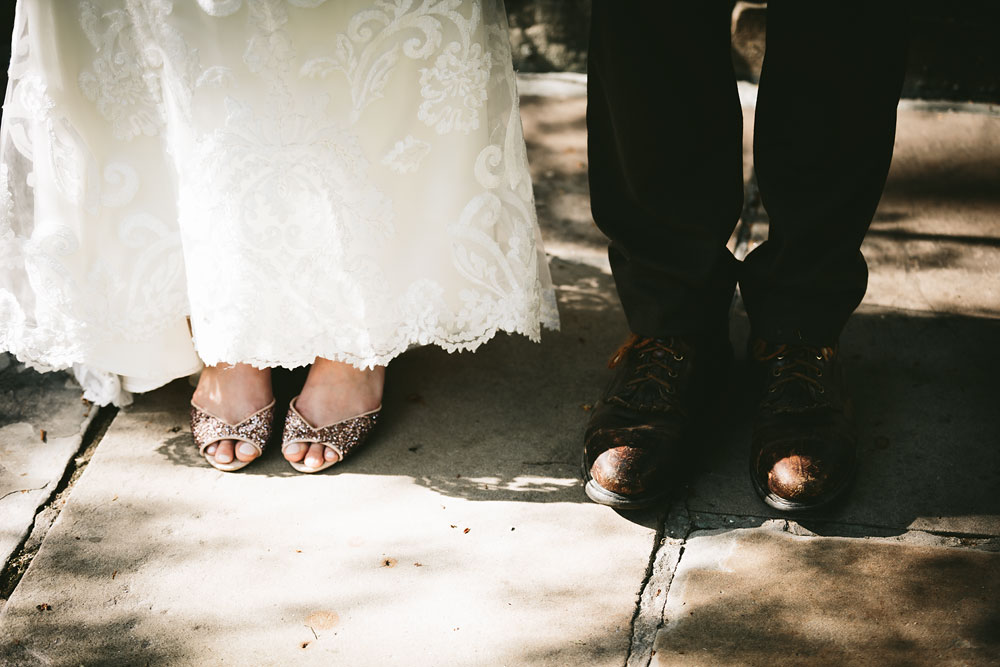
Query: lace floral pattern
406	155
344	193
454	90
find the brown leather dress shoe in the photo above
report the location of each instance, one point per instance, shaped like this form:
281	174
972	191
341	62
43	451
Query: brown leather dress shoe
638	437
804	449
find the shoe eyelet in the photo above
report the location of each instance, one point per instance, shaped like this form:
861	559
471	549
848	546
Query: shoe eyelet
819	357
822	390
772	390
819	373
780	357
678	357
776	372
672	374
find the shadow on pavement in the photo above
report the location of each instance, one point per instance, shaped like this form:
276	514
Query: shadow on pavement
506	423
757	597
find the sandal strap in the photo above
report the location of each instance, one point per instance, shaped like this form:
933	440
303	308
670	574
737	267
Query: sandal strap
342	437
255	429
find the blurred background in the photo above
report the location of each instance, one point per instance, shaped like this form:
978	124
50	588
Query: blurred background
954	49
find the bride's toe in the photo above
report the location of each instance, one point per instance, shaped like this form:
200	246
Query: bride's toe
294	452
246	452
330	455
314	458
224	452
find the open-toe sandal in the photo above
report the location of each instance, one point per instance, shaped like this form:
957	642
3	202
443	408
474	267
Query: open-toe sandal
208	428
342	437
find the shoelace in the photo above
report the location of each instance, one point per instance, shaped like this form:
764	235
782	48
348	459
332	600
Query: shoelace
803	363
647	349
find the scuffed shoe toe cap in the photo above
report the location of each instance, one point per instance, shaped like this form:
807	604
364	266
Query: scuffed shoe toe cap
628	471
799	479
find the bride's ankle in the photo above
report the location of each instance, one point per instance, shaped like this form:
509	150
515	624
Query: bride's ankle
344	375
336	390
237	389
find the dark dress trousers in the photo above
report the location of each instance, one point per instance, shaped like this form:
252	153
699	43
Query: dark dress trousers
665	153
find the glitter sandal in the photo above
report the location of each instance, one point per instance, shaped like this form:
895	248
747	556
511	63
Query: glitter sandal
208	428
342	437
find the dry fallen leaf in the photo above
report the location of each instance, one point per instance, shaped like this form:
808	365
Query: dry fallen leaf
45	606
466	530
44	435
389	562
418	565
114	574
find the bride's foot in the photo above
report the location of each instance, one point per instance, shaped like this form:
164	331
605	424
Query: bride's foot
334	391
233	393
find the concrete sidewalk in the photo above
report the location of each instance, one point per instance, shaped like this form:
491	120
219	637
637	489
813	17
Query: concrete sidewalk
461	535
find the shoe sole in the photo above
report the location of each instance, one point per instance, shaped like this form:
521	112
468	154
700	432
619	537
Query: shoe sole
602	496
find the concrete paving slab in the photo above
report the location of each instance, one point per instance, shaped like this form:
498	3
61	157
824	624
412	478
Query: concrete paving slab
459	536
934	245
42	422
918	351
764	597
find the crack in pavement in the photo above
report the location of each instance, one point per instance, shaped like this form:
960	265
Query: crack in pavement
20	559
10	493
707	520
650	569
648	618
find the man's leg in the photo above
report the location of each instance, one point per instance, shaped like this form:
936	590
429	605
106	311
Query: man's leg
665	152
826	118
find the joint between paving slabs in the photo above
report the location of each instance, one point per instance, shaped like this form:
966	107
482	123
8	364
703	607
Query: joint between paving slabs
681	522
672	533
805	527
47	513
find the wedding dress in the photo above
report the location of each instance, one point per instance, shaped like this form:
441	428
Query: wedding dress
261	181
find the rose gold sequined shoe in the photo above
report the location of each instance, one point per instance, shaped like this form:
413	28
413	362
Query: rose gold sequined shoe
255	430
342	437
